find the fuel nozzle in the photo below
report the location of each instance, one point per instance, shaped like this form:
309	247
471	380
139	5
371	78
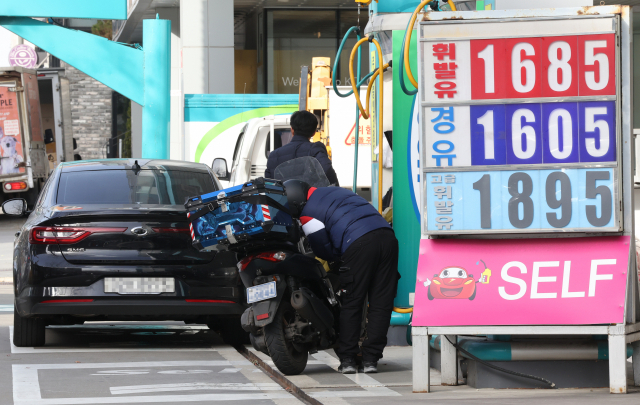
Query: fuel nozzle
486	274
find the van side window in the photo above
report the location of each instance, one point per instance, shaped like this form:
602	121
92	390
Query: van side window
283	137
239	144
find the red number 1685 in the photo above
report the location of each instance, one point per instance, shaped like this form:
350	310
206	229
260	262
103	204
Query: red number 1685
565	66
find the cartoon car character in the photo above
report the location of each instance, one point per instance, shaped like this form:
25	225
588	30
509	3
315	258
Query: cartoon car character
452	282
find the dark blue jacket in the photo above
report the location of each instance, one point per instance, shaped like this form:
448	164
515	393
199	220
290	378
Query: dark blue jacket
334	218
300	147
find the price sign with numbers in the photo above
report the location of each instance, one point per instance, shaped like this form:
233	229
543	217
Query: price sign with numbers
521	132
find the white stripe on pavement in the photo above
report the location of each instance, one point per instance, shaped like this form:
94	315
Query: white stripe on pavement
139	389
26	386
176	399
256	376
230	370
33	350
372	388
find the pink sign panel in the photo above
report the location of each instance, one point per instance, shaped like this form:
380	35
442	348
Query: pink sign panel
566	281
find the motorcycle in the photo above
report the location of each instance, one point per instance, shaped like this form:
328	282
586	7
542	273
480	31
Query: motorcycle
293	308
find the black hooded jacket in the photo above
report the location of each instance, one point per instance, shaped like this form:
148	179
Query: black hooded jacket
300	146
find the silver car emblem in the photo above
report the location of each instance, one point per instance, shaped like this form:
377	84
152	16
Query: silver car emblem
139	231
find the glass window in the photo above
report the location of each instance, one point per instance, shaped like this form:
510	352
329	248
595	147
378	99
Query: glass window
348	19
239	143
283	137
125	187
293	39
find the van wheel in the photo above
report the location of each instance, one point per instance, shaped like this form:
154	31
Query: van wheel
27	332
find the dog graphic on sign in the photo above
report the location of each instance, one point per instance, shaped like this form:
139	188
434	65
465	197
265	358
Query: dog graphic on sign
10	158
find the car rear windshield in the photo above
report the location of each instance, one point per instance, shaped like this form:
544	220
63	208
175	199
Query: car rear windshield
165	187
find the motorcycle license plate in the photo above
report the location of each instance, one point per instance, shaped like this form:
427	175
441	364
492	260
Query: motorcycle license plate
261	292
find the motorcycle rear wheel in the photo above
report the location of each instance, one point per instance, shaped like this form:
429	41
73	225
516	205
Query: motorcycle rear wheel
286	358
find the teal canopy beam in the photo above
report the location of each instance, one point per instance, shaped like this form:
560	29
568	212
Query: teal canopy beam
117	66
93	9
143	76
157	87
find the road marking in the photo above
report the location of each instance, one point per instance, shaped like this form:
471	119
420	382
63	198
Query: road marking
257	376
33	350
139	399
139	389
230	370
371	387
6	308
272	364
26	386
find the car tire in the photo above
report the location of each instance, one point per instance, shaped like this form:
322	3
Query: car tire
283	353
27	332
231	332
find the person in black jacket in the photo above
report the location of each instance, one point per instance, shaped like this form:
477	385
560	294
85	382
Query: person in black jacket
341	225
303	127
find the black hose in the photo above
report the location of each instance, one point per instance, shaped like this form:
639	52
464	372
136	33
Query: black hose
504	370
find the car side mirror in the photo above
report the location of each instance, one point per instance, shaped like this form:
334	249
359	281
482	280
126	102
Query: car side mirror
435	275
16	207
219	167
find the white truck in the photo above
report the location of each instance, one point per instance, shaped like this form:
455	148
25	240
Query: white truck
254	143
23	160
253	146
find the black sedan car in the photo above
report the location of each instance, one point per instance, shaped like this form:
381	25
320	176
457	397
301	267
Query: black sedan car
110	240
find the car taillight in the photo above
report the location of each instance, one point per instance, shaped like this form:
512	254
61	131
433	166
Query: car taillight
62	235
171	230
15	185
268	256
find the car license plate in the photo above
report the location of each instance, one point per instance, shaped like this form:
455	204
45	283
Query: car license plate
139	285
261	292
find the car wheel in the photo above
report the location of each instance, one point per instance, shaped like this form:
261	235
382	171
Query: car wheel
473	295
429	294
27	332
231	331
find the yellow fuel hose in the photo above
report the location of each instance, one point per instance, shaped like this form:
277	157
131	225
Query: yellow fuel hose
365	112
407	44
403	310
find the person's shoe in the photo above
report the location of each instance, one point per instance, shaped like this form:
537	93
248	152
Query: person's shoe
370	367
347	366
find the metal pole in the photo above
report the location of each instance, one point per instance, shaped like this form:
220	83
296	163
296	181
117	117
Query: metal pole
157	87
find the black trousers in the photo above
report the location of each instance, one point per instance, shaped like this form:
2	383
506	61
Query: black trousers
369	266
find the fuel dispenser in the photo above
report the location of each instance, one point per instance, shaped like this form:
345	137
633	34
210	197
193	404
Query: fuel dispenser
514	191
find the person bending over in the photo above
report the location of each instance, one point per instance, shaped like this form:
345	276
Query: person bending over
341	225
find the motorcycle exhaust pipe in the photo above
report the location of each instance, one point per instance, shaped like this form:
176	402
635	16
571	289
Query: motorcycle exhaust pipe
310	307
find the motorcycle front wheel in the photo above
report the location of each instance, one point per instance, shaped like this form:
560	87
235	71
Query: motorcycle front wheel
286	358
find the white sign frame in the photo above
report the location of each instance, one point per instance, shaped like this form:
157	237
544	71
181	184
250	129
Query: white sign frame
618	335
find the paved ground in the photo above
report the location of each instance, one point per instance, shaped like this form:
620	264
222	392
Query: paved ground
159	363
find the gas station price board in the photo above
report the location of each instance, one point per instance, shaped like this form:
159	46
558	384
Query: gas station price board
521	133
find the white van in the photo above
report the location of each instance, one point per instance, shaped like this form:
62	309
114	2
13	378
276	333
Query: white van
253	146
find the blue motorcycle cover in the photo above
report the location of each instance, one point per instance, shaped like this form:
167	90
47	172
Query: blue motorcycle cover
240	214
